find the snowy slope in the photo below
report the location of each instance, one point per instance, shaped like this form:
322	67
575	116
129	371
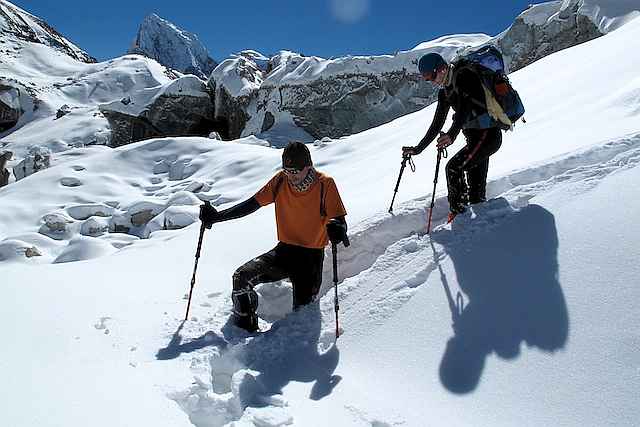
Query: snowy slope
17	24
524	313
53	79
49	76
61	81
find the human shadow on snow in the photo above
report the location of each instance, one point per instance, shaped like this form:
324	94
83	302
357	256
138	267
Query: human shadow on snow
509	273
289	351
176	347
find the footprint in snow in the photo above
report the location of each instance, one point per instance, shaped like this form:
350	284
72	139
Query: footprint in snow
102	325
70	182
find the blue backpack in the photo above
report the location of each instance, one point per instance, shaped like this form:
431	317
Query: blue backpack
502	102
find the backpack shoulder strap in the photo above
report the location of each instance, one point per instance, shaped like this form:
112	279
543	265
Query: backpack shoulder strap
277	186
458	67
323	209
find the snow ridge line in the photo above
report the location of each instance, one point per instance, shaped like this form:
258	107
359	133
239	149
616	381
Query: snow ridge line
373	236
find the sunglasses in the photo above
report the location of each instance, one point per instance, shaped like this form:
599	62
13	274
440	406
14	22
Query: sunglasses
291	171
430	75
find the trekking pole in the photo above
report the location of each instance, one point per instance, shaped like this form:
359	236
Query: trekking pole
442	152
405	158
336	305
195	267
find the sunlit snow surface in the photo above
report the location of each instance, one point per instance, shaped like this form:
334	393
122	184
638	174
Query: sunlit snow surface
523	312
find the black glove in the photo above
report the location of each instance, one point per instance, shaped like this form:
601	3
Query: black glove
337	231
208	214
409	151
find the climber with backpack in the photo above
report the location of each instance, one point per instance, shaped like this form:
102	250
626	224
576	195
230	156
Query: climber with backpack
476	87
309	214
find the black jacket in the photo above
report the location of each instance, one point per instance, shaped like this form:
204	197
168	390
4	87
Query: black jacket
468	88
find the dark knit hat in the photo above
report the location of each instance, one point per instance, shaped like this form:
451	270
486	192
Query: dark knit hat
296	155
430	63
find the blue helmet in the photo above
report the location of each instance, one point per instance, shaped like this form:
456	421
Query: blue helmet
430	63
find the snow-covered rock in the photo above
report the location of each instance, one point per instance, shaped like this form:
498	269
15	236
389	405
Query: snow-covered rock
58	226
82	248
543	29
13	249
324	97
94	227
37	159
172	218
607	15
172	47
347	95
180	108
85	211
183	198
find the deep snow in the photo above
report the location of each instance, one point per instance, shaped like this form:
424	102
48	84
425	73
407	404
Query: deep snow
524	312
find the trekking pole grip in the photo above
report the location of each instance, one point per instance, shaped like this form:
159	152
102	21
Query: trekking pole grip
405	158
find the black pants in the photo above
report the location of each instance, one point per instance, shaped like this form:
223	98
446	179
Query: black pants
303	266
472	160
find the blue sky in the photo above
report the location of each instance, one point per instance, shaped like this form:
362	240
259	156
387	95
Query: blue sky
326	28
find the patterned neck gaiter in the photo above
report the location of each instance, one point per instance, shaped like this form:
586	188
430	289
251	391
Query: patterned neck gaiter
307	182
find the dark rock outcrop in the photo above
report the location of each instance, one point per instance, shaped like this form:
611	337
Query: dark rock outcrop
182	108
4	173
10	110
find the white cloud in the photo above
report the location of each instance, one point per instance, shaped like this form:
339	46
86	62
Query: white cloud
349	11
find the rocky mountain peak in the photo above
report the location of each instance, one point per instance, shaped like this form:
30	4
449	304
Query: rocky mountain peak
172	47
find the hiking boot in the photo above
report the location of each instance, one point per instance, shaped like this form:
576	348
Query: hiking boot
476	200
248	322
454	211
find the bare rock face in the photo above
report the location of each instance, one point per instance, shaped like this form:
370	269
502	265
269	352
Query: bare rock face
351	103
180	108
4	173
63	111
37	159
532	37
10	110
